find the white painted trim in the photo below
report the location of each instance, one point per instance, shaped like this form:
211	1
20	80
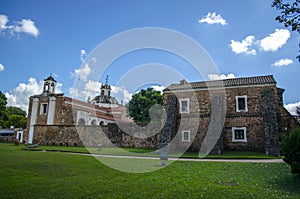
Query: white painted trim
42	108
51	110
21	136
34	111
237	104
182	135
188	105
239	128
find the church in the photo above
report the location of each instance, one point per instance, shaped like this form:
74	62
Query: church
50	109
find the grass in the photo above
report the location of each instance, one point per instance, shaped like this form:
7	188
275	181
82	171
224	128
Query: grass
30	174
151	152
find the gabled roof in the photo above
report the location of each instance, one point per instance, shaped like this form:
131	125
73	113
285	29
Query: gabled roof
244	81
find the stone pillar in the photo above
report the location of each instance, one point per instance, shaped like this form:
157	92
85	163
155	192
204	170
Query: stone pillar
270	125
33	117
169	127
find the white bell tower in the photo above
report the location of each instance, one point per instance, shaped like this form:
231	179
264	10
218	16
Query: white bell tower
49	85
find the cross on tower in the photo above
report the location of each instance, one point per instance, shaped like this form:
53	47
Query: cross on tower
106	80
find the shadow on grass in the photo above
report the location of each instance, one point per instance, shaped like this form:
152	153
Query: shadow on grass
290	183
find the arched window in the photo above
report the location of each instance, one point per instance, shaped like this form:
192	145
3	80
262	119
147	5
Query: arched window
101	123
46	87
81	122
52	87
94	122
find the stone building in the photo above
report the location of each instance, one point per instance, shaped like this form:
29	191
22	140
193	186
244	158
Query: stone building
241	114
50	112
247	112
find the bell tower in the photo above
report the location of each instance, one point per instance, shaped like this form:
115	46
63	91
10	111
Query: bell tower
49	85
105	88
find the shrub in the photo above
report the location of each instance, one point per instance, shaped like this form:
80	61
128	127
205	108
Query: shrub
290	147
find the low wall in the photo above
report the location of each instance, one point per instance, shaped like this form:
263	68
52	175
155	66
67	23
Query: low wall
108	135
9	139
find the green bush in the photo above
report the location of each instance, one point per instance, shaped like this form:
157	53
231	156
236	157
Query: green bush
290	147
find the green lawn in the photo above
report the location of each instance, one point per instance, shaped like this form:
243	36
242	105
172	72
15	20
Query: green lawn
32	174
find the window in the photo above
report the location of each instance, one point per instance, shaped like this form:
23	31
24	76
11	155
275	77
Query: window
186	136
241	103
239	134
43	109
81	122
184	105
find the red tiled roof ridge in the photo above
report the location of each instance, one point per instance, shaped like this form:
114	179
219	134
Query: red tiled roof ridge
240	81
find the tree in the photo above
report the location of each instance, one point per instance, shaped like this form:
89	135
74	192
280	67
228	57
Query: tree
290	15
11	110
3	111
290	147
17	121
145	105
11	116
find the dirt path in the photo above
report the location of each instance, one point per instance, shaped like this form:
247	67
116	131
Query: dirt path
187	159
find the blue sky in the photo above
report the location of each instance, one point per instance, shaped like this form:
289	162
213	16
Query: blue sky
38	38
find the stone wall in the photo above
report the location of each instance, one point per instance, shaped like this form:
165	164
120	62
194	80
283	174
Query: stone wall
270	125
93	135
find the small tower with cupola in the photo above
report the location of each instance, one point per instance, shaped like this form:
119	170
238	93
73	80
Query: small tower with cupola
105	99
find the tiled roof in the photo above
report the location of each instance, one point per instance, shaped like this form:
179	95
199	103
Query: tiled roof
244	81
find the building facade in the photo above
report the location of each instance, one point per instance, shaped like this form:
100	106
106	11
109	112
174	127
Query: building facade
241	114
248	113
50	110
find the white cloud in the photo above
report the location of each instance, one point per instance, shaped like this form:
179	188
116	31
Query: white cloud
275	40
19	96
83	72
27	26
91	89
221	76
245	46
24	26
83	55
74	92
121	94
213	18
1	67
292	107
92	86
94	59
283	62
3	22
158	88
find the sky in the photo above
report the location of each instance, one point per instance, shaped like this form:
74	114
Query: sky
65	39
